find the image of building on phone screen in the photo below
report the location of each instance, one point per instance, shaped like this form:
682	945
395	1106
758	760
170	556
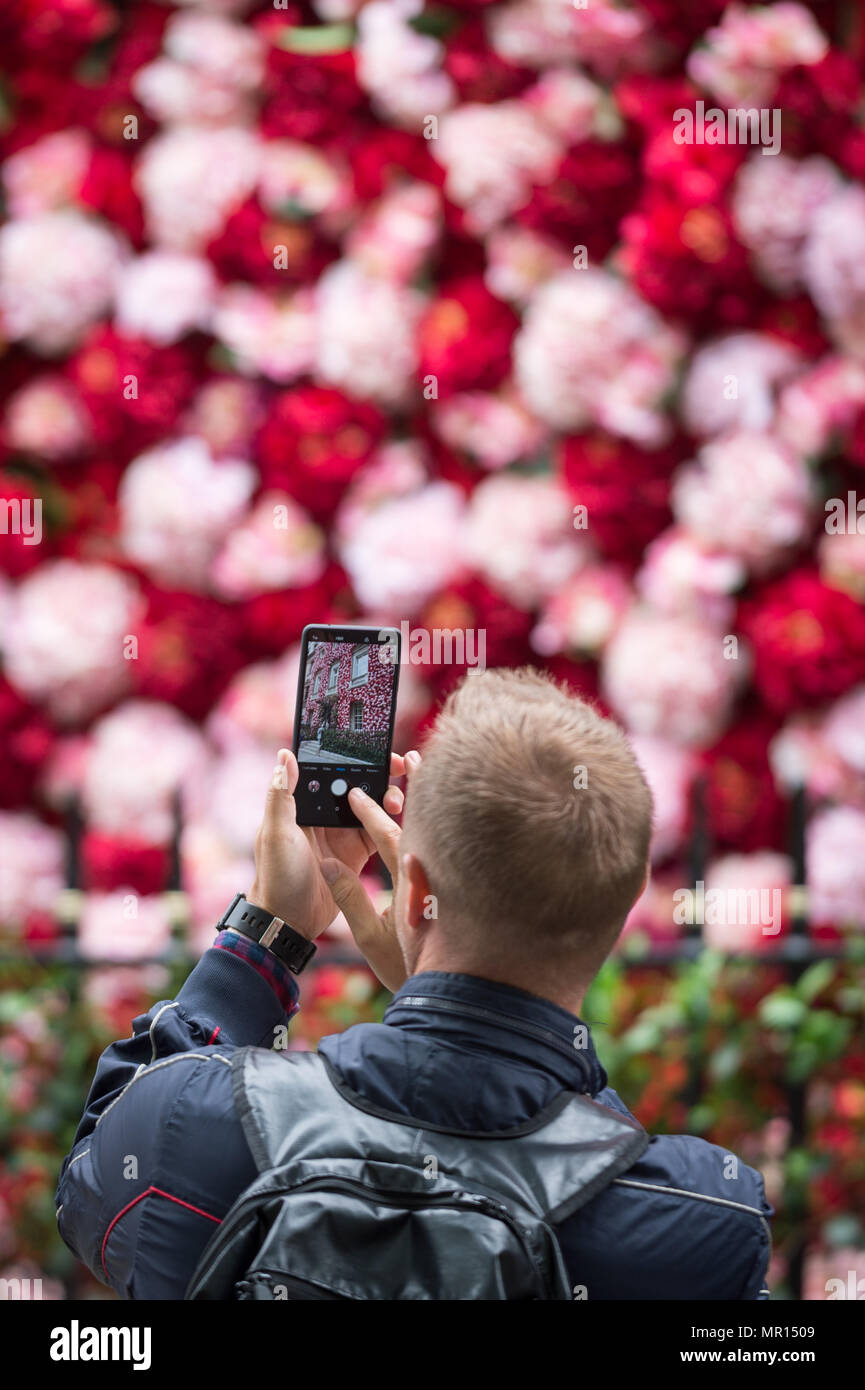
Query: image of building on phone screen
345	714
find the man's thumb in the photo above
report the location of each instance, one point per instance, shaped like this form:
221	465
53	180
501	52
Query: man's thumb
280	794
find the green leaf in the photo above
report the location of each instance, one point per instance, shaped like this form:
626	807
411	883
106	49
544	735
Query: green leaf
782	1011
317	39
815	979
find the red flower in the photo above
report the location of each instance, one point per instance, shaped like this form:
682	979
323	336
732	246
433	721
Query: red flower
613	480
43	104
465	338
312	97
133	390
107	188
109	862
247	248
473	606
313	442
54	33
382	158
681	23
271	622
22	547
592	190
25	741
797	322
808	641
190	647
479	74
817	102
687	261
742	805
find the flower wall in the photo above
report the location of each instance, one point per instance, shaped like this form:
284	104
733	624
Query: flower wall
404	313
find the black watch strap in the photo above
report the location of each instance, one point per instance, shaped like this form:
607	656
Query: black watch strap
286	944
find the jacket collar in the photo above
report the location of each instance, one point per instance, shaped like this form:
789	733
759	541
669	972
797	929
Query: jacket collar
500	1018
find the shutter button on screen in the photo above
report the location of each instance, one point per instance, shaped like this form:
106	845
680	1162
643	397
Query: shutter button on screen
339	786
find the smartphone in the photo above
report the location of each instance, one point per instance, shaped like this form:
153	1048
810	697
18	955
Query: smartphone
344	718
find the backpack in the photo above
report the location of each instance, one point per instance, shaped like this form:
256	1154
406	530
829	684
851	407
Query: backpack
353	1202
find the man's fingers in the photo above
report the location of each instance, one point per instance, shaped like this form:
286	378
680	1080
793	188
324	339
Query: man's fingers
393	801
279	807
378	825
373	934
352	898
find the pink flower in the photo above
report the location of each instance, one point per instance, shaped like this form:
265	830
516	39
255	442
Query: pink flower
496	430
212	874
33	874
367	334
731	383
190	179
746	896
746	495
258	706
47	174
164	295
519	261
229	797
225	414
669	771
58	273
404	550
841	556
832	260
835	860
520	537
774	204
590	351
582	616
844	732
276	546
820	403
668	677
825	752
827	1272
65	637
272	336
138	757
603	34
493	156
742	59
177	505
681	576
210	69
567	102
123	926
312	180
399	67
46	417
395	237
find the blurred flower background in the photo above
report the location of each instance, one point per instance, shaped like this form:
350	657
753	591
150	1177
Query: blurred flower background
394	312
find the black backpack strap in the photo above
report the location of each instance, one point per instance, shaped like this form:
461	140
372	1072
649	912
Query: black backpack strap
296	1110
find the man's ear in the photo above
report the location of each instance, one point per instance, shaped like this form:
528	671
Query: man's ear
419	901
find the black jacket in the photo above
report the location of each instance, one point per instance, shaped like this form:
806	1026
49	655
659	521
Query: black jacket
160	1154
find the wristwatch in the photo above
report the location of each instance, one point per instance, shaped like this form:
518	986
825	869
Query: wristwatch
259	925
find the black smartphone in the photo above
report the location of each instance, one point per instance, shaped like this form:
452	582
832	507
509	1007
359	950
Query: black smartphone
344	718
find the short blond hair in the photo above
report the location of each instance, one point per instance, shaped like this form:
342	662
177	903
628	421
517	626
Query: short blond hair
531	816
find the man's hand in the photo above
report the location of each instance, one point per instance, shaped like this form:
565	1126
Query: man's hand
373	932
288	883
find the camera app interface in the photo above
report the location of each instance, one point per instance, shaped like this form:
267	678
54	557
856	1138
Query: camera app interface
347	697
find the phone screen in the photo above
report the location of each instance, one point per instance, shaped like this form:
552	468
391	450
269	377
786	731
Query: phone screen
346	702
